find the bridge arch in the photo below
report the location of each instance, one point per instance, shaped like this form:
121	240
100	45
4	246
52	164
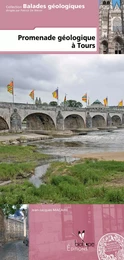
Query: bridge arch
74	121
38	121
3	124
116	120
98	121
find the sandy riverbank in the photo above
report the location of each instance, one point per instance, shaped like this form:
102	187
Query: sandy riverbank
106	156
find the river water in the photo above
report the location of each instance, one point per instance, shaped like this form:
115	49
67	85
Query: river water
99	141
64	149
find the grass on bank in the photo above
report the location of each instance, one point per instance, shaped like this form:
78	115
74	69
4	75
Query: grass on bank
18	161
82	182
16	170
16	153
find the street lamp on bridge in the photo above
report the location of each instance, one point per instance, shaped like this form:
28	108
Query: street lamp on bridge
25	213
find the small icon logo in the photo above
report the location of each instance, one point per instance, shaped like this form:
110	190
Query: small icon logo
81	235
111	247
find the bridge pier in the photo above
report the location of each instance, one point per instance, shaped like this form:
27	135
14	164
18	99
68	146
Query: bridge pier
109	120
59	121
15	122
88	120
123	119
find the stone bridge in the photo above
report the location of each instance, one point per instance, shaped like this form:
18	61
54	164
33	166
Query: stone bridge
17	116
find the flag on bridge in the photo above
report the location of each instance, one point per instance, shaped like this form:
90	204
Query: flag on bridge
84	98
10	87
55	94
105	100
120	104
32	94
65	98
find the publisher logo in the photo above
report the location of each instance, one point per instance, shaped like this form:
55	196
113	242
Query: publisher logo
82	242
111	247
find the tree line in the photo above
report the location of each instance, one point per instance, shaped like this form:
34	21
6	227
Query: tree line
9	209
68	103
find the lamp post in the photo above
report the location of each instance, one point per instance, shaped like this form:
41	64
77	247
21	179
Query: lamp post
25	219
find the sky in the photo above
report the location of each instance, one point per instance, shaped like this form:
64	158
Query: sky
98	75
116	1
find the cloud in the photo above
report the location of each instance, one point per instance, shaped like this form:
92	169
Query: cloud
98	75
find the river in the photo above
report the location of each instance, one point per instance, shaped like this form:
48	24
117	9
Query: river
93	142
64	149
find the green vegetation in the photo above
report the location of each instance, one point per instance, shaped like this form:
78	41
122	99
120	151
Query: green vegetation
72	103
13	171
68	103
15	153
88	181
53	104
18	162
9	209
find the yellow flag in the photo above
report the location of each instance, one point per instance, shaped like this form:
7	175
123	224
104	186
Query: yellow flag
55	94
10	87
32	94
120	104
84	98
65	98
105	100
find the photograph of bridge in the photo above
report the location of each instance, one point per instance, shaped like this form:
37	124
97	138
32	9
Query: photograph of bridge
14	232
28	101
60	110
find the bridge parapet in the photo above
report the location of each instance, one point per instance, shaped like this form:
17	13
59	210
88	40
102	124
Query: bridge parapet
62	108
25	106
105	109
